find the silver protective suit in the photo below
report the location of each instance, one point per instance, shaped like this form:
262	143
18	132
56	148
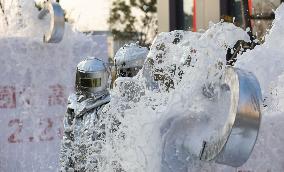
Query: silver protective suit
85	129
84	134
129	59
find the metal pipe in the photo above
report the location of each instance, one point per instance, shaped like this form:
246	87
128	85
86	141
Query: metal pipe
270	16
57	22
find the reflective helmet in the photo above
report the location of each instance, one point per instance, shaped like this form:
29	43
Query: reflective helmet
91	76
129	59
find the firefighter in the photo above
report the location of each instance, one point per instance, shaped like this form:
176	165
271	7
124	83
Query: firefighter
128	61
84	122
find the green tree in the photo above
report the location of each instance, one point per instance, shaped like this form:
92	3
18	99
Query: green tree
125	26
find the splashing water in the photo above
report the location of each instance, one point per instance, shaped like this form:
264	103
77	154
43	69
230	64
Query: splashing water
267	63
180	68
36	79
173	110
176	89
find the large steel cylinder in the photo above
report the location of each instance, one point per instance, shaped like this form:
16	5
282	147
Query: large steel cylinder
235	142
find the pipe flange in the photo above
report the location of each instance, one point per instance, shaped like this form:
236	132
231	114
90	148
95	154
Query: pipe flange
236	141
57	22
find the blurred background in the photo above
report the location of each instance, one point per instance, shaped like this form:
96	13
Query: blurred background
126	21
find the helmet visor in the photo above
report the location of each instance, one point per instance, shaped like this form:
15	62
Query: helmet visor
90	82
128	72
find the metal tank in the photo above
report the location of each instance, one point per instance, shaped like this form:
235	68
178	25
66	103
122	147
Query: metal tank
235	143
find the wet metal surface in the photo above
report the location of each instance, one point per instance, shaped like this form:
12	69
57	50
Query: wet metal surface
236	141
57	22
